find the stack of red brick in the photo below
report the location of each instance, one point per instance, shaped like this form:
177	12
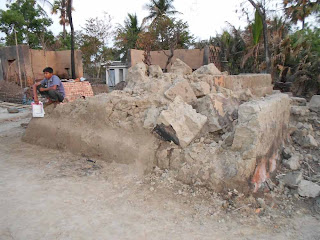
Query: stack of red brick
75	90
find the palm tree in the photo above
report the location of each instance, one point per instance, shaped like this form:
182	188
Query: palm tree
61	7
127	35
299	10
160	8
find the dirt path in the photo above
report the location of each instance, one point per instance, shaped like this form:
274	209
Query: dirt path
48	194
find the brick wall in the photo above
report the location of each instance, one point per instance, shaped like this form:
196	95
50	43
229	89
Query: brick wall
75	90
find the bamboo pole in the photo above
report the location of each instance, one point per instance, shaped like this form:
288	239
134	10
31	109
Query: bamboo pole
19	69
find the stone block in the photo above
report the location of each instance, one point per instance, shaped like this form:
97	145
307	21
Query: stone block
260	133
209	69
200	89
181	88
308	189
220	110
186	122
137	74
292	179
292	163
155	71
259	84
314	104
180	68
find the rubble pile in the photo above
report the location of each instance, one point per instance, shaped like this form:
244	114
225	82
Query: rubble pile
211	129
301	159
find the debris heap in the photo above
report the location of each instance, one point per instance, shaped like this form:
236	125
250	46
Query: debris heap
216	130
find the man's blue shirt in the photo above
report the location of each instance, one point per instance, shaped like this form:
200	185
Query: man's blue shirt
54	80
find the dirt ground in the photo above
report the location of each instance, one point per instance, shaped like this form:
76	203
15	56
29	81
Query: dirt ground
49	194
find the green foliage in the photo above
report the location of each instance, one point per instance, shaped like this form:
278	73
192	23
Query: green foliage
92	42
127	35
299	10
160	8
29	21
232	48
257	28
168	32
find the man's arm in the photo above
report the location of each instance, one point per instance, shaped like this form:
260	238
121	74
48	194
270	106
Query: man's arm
54	87
35	94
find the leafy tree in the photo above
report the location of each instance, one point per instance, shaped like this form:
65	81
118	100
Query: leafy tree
127	35
93	43
60	6
160	8
231	47
29	21
299	10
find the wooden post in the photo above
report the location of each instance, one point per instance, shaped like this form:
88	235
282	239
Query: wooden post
18	58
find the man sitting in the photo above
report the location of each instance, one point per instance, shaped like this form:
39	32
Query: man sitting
50	87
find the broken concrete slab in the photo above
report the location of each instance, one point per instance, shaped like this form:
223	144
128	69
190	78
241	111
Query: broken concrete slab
262	128
155	71
181	88
200	89
259	84
209	69
180	68
220	110
184	119
137	74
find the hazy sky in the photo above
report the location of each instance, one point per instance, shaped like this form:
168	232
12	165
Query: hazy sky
205	17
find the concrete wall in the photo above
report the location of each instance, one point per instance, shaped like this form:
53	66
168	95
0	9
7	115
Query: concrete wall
58	60
9	64
262	129
194	58
258	84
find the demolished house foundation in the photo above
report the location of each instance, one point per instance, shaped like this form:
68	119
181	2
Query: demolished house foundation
212	129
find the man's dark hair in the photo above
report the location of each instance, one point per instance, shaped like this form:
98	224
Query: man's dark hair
48	69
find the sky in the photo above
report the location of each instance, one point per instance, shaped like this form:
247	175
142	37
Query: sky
205	17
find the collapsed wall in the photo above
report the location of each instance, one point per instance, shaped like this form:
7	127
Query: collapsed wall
212	129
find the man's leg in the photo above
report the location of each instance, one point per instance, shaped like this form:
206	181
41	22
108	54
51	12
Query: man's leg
55	96
43	93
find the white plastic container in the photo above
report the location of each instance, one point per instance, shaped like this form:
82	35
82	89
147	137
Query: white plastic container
37	109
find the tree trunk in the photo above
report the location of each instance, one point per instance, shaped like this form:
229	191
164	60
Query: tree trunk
69	10
63	13
265	41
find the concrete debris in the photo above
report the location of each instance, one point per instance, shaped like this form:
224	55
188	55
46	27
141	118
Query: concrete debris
292	179
314	104
180	68
200	89
183	89
220	110
184	119
297	101
308	189
137	74
209	69
155	71
213	130
286	153
293	163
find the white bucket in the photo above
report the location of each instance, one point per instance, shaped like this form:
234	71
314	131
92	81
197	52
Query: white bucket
37	109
